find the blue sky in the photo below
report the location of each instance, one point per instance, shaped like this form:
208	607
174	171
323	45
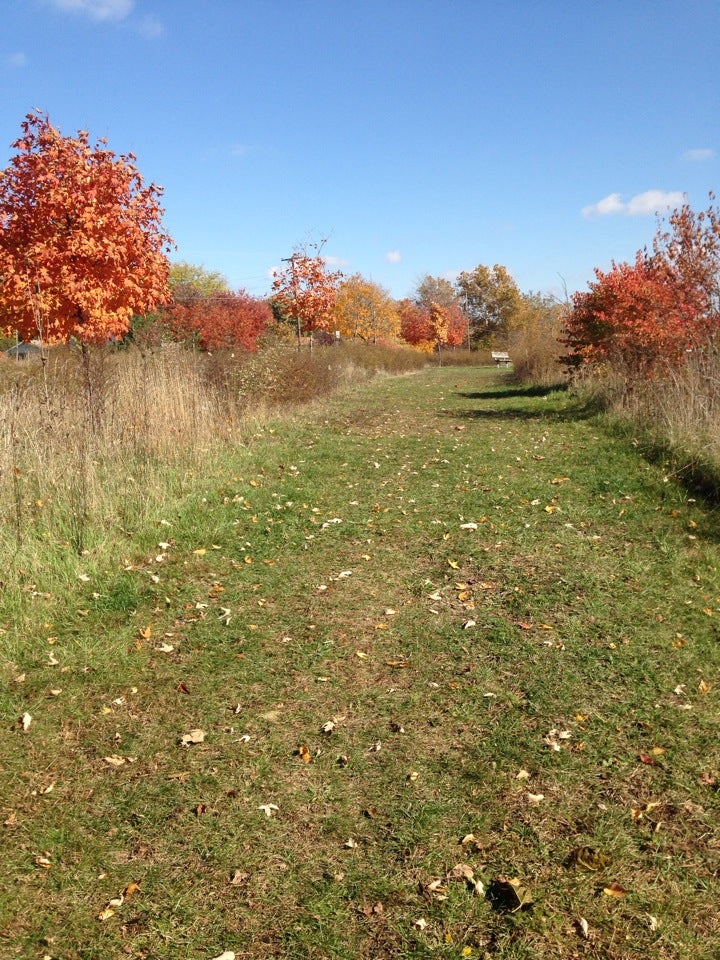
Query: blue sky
419	136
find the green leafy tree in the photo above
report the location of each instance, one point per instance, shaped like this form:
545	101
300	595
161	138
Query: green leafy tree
436	290
490	298
191	281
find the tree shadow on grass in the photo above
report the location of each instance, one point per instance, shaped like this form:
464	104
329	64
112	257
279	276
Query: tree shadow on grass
515	391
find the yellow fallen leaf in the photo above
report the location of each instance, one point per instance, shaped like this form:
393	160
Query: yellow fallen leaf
615	890
106	914
200	552
454	564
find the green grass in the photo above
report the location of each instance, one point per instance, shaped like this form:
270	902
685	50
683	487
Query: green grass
322	573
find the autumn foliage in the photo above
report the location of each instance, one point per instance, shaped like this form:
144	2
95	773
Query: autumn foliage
657	308
305	291
82	247
222	320
365	311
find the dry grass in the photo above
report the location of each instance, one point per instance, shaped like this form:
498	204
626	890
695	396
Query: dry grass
96	440
535	353
675	416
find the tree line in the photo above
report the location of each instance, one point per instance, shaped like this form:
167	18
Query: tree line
84	255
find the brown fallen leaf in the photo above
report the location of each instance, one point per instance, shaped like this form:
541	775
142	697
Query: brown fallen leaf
615	889
304	754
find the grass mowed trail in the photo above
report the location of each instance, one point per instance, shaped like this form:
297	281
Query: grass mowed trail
436	635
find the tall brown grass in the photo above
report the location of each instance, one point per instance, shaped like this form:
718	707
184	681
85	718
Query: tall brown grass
90	442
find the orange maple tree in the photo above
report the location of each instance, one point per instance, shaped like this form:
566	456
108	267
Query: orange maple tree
306	291
82	247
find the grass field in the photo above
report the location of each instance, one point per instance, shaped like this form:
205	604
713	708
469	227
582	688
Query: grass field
429	669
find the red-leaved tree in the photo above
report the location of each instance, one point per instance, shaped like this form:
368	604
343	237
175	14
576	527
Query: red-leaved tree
82	247
416	326
656	309
222	320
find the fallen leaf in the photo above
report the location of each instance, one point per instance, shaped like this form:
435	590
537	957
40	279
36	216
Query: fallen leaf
115	760
461	871
229	954
454	564
583	928
535	798
25	721
195	736
43	862
304	754
268	808
588	858
106	914
328	727
508	895
237	877
145	632
131	889
615	890
420	923
350	844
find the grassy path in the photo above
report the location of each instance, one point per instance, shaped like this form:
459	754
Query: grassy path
436	635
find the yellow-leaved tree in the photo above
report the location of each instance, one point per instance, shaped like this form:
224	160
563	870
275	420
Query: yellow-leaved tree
365	311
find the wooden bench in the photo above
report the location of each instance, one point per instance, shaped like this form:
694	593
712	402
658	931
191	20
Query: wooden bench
501	358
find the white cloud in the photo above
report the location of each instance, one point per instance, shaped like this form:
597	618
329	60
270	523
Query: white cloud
393	256
701	153
641	205
97	9
16	60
